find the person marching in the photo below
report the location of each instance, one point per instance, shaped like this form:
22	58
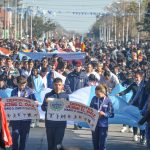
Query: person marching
103	104
55	129
21	128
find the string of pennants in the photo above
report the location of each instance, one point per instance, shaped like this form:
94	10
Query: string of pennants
42	12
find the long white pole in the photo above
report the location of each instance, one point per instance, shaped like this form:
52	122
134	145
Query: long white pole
123	22
21	26
31	25
115	29
127	33
26	24
139	20
15	19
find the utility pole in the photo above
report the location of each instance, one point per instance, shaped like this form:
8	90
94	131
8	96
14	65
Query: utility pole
15	20
123	27
115	28
31	26
139	19
4	19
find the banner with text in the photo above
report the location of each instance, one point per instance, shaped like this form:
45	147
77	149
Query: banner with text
65	56
62	110
18	108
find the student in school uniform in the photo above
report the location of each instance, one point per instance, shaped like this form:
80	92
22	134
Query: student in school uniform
103	105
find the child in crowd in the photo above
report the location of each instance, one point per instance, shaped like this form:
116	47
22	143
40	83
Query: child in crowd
103	104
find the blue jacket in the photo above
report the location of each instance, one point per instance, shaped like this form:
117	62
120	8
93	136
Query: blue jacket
75	81
29	95
52	94
50	80
105	106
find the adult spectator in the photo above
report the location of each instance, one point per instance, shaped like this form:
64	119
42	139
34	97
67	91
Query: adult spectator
90	70
35	81
76	79
110	79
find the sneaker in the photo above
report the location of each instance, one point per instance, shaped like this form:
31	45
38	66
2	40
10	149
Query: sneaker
143	141
76	127
135	138
59	147
32	125
130	130
124	129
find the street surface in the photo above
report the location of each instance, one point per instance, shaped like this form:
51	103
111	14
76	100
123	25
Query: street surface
82	138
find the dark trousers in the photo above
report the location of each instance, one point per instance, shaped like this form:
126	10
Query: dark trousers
99	138
54	137
148	137
20	130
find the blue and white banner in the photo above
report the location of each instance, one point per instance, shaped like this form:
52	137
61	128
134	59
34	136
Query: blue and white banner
65	56
124	113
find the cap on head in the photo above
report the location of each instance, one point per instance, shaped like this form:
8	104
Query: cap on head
78	63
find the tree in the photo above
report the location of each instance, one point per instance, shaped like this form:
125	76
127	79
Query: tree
40	27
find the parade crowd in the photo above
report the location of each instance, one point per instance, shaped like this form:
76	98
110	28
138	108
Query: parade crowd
105	66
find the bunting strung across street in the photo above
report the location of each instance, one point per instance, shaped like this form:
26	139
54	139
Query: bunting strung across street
41	12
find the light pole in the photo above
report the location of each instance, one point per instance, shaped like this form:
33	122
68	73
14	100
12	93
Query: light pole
139	19
31	25
115	29
123	21
15	19
4	19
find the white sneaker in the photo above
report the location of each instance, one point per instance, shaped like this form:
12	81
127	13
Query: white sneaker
124	129
130	130
135	138
32	125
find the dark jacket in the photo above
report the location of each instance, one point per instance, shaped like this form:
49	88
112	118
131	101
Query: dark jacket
134	88
105	106
146	118
75	81
53	94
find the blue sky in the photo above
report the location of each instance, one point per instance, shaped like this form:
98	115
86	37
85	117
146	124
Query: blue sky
79	23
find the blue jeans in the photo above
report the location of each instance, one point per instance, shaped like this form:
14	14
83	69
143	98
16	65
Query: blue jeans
54	137
20	129
99	138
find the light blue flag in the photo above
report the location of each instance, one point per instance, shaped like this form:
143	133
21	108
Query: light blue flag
124	113
23	54
40	97
5	93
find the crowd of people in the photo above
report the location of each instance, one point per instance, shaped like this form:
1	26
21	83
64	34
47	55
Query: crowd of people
107	64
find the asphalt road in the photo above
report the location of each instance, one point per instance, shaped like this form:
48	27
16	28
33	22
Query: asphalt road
82	138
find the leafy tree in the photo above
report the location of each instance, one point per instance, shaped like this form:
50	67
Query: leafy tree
40	27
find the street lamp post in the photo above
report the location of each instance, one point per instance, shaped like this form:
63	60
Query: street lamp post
4	19
31	25
115	28
139	19
15	19
123	27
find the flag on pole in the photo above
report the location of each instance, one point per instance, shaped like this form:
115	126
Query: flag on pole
6	136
